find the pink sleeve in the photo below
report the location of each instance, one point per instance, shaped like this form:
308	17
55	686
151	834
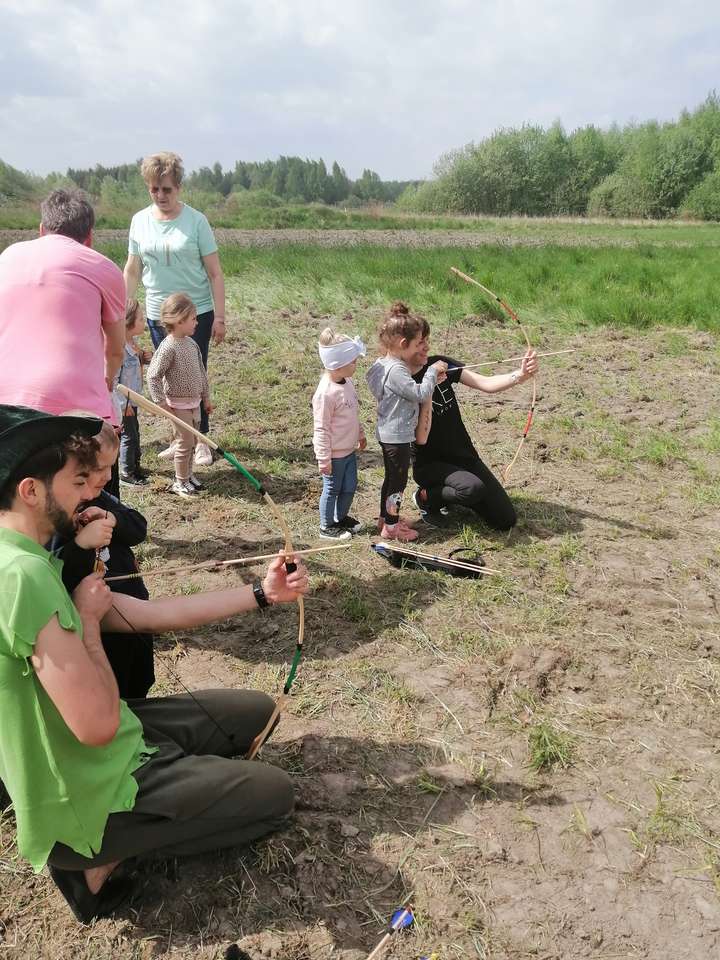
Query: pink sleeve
112	291
323	409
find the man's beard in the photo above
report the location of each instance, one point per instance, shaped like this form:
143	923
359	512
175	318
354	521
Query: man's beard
62	522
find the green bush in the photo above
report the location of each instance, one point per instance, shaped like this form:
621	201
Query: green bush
241	199
620	195
428	197
703	201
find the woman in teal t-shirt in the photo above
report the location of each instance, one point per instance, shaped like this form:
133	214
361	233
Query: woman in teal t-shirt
171	247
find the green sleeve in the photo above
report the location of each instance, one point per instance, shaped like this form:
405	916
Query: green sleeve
30	596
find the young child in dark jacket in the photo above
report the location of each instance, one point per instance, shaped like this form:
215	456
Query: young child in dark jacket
130	655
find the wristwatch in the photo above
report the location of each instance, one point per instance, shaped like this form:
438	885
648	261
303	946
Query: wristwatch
259	594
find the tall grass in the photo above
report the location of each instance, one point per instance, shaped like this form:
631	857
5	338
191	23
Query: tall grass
558	287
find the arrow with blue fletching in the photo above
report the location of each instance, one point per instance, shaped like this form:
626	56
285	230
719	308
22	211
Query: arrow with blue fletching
402	919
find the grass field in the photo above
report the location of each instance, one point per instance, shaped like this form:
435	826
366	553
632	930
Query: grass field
531	757
557	289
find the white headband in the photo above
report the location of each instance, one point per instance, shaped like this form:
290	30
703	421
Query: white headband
340	354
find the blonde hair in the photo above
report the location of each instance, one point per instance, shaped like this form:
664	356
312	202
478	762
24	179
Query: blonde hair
328	338
159	165
400	324
131	308
175	309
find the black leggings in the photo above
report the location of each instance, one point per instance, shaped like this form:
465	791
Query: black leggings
396	457
471	485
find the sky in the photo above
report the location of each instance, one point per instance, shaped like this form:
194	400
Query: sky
386	84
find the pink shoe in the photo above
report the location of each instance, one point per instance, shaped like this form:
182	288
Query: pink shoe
397	531
407	524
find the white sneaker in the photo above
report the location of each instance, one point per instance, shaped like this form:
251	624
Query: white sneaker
194	482
168	453
183	488
203	455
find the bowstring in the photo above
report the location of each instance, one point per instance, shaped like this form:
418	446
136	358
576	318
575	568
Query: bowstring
230	737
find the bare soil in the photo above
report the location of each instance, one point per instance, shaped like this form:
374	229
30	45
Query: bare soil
420	696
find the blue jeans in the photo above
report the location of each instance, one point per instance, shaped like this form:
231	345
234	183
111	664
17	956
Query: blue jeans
338	490
201	337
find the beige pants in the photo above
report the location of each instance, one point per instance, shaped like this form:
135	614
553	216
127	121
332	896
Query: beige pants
185	441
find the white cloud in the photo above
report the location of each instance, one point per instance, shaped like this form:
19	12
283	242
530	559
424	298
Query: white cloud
388	85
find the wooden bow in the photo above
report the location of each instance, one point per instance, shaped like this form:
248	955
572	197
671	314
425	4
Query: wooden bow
511	313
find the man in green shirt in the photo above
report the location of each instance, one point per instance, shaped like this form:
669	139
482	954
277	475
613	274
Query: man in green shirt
94	780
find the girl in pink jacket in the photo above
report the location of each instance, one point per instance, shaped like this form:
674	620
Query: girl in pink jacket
337	433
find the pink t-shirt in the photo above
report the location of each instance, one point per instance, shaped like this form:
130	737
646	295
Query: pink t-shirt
54	295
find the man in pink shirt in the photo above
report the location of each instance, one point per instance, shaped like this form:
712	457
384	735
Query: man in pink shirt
61	303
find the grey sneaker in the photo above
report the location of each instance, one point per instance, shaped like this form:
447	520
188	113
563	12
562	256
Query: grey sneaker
334	533
183	488
193	480
168	453
203	455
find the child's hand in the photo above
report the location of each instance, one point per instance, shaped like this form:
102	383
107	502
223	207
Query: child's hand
146	355
441	368
89	514
362	445
97	533
207	406
325	468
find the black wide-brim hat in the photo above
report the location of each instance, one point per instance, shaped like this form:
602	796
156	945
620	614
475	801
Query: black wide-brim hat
24	431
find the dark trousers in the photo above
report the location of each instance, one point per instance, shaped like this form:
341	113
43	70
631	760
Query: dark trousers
113	484
130	445
157	332
202	335
396	458
470	484
193	796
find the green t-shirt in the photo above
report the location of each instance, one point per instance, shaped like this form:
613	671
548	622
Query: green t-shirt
61	789
171	252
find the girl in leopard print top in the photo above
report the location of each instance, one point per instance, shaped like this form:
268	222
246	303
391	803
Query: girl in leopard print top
177	379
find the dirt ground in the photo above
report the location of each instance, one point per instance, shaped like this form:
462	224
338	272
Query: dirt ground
424	703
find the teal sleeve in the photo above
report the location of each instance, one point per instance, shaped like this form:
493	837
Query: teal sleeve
133	245
206	238
30	596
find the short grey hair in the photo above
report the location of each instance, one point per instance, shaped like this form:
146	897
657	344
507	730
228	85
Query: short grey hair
69	213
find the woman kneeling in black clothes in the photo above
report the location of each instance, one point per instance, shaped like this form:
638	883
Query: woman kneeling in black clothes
447	468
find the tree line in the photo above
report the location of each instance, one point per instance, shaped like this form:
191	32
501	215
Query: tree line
266	183
651	169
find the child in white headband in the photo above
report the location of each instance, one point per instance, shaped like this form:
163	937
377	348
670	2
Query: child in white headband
337	433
